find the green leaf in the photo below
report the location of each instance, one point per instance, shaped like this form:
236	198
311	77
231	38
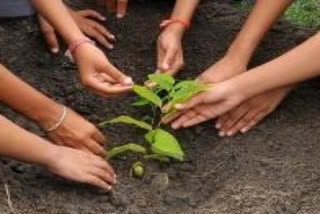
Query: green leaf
140	102
185	90
158	157
150	136
165	144
131	147
147	94
128	120
165	81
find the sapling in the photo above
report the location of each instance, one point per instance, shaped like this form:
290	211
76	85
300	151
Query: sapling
160	145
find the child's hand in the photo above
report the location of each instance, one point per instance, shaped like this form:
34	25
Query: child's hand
170	52
219	99
88	26
120	6
81	167
78	133
98	74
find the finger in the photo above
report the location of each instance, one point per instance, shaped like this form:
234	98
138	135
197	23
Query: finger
189	115
168	59
253	122
197	100
99	138
104	31
221	120
171	117
49	34
108	89
122	8
234	116
95	34
98	182
95	147
103	175
216	110
92	14
244	121
176	67
102	164
117	75
110	5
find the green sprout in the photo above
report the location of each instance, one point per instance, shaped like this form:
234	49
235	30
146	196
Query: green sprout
159	144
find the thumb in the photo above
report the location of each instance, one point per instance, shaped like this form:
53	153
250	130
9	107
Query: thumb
49	34
168	59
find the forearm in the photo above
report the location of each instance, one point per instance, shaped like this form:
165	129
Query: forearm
57	14
23	98
297	65
261	19
183	11
19	144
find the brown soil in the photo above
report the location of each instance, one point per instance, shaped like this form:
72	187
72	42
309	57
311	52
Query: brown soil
273	169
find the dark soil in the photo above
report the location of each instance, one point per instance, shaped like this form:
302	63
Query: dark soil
274	169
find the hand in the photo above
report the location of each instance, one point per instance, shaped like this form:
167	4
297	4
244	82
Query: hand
248	114
88	26
78	133
120	6
98	74
170	53
219	99
81	167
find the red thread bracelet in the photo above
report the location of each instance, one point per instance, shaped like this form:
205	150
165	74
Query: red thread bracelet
168	22
79	42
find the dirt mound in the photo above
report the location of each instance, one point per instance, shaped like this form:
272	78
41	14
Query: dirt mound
273	169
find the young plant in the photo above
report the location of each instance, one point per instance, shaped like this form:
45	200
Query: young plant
162	146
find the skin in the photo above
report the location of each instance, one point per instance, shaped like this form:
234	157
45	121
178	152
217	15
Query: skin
96	72
84	20
251	111
66	162
297	65
119	6
169	46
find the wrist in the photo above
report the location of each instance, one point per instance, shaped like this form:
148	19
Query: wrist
47	117
240	52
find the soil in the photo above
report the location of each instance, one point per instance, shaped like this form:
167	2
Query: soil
273	169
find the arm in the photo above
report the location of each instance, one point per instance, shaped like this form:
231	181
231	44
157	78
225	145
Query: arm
297	65
96	72
74	131
19	144
264	14
170	51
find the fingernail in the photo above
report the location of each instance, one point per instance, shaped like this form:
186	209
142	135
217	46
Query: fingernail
112	37
119	16
128	81
244	130
222	134
55	50
229	133
102	18
111	47
218	126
